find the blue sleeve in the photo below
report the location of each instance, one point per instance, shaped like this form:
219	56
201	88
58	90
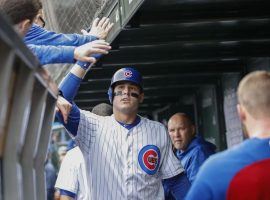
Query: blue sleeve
178	186
73	120
200	189
198	159
67	193
40	36
167	192
69	88
53	54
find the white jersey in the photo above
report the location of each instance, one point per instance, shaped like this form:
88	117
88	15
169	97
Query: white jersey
72	175
125	164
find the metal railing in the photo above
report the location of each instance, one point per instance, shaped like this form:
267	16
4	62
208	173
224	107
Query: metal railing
27	104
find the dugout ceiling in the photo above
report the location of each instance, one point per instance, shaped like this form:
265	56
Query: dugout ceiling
180	46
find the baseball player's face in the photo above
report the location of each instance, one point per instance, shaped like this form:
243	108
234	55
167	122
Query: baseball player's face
181	132
127	97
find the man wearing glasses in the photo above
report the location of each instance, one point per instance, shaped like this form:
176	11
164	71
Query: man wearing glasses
51	47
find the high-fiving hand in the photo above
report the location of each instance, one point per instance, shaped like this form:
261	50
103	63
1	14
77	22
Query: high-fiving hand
84	52
100	28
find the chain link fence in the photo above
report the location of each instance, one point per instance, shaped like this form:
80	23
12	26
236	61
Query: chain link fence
70	16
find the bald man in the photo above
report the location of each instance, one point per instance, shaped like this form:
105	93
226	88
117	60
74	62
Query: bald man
242	172
190	149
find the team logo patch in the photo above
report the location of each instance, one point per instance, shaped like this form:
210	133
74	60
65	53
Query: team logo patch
128	73
149	159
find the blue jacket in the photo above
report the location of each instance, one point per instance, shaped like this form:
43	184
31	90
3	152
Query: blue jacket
51	47
241	172
197	152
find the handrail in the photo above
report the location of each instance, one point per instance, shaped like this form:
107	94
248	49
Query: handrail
27	103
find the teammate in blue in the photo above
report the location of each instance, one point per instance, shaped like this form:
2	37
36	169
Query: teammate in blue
126	155
242	172
191	150
50	47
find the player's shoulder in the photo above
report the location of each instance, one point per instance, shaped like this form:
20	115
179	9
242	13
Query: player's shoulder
153	123
222	161
89	116
74	151
74	154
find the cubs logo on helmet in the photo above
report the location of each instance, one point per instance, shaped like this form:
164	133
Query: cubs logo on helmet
125	74
149	159
128	74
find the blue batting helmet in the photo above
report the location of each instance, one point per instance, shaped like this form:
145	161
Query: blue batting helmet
125	74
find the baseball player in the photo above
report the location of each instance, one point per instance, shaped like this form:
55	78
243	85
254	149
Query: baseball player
126	155
242	172
72	177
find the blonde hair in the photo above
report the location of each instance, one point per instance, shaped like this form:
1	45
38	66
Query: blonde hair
254	93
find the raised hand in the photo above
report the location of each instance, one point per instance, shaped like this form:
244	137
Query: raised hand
84	53
100	28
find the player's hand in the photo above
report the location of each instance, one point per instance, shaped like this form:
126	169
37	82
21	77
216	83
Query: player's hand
100	28
63	106
84	52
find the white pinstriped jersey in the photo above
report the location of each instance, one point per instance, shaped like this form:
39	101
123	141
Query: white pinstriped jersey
72	175
125	164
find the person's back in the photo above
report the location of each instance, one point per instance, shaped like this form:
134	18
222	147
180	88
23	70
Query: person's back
243	171
221	170
72	176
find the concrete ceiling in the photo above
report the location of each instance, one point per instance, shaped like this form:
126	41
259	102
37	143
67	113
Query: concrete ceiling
181	45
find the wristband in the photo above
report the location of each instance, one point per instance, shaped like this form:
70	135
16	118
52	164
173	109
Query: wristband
84	65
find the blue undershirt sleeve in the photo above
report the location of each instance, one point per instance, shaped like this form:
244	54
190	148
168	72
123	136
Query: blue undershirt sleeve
67	193
178	186
69	88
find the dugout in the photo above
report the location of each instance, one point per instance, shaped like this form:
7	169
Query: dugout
192	55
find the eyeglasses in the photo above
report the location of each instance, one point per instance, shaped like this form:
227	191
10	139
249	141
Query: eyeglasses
42	22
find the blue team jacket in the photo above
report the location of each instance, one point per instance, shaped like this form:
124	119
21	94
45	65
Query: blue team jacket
197	152
241	172
51	47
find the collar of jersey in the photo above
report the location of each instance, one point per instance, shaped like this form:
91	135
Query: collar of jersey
130	126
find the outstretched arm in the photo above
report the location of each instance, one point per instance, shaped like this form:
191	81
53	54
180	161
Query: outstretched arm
69	87
40	36
68	54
